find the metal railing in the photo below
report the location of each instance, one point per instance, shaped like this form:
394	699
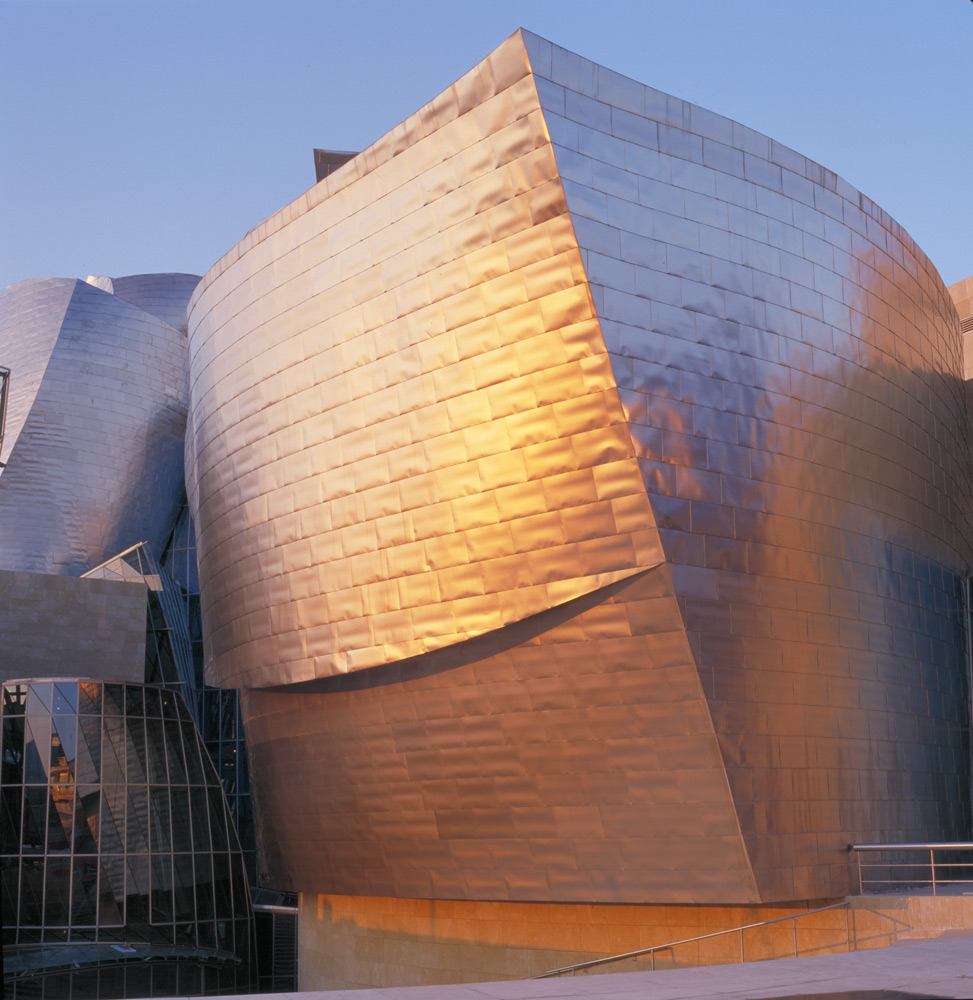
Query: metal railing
920	871
651	952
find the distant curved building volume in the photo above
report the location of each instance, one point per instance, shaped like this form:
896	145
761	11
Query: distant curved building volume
583	494
95	425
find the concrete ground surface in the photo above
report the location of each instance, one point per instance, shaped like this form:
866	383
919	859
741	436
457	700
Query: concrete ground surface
939	967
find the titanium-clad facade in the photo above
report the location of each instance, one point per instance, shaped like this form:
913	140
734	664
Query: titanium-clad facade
582	486
95	426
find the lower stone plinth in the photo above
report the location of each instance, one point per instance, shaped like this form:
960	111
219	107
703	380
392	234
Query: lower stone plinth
357	941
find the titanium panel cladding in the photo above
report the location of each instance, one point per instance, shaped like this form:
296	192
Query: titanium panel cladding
406	428
96	418
165	296
554	337
791	369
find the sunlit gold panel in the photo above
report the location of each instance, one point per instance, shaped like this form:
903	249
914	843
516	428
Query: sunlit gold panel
569	756
401	380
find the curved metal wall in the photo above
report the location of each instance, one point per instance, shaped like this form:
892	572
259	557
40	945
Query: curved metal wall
408	386
93	449
791	368
165	296
553	337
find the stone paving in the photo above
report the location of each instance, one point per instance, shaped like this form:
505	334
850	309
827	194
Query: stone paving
941	967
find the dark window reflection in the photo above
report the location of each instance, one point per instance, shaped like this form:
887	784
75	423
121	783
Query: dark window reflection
109	817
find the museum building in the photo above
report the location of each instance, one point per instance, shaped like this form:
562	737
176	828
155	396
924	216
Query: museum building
581	486
120	866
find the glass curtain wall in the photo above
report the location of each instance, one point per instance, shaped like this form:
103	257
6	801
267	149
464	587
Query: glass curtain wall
115	839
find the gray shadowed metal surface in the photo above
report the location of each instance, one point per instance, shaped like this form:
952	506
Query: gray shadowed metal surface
95	425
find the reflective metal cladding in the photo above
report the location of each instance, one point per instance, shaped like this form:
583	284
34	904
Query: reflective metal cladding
95	424
599	471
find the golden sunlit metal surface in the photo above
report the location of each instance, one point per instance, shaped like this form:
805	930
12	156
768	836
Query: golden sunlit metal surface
598	470
407	427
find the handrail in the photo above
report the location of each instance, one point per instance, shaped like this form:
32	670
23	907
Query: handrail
699	937
931	847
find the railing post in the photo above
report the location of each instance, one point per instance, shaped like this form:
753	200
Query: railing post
742	959
653	961
932	868
858	861
794	922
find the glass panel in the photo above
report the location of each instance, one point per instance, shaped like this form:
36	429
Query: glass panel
153	705
204	901
217	819
170	705
112	828
177	768
35	819
242	771
39	698
84	891
206	930
136	889
227	767
64	747
9	875
183	879
37	749
201	840
224	934
135	739
182	836
11	799
65	699
159	800
13	749
31	892
60	816
89	698
222	891
57	892
111	890
114	699
228	715
86	814
162	889
14	699
193	750
87	764
155	752
156	616
137	820
114	750
241	894
133	700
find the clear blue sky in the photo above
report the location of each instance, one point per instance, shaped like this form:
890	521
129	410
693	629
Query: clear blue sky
150	136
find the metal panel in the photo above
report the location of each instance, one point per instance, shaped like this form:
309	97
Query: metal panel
95	426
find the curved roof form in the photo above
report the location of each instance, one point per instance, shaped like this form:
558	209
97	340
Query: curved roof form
165	296
93	444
